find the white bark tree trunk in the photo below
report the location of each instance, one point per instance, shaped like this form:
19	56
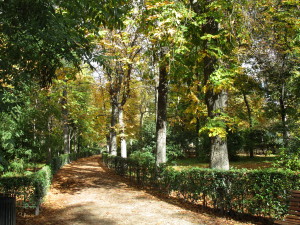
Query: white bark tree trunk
113	124
65	120
122	133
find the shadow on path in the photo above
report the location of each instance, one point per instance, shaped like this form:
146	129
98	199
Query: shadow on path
85	192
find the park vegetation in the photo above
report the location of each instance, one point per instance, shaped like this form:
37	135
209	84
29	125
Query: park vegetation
152	80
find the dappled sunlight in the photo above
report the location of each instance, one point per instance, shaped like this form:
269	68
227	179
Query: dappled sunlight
85	192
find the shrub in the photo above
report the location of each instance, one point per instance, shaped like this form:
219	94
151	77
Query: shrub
290	157
17	166
142	157
257	192
32	187
41	183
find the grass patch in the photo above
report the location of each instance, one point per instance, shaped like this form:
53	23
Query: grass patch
242	162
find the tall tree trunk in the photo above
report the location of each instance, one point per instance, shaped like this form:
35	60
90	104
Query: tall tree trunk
141	121
248	110
198	125
161	122
113	124
108	141
49	125
65	120
198	150
122	133
283	116
75	140
216	103
251	149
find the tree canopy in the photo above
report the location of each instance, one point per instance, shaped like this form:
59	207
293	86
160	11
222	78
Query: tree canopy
153	79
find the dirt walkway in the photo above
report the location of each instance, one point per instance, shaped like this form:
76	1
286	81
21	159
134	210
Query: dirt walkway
85	193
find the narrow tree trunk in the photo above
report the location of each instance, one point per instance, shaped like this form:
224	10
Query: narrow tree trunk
216	103
141	122
49	156
65	120
113	124
198	150
70	140
283	116
75	141
248	110
161	123
108	141
122	133
251	150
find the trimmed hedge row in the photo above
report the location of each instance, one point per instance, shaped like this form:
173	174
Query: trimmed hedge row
31	189
256	192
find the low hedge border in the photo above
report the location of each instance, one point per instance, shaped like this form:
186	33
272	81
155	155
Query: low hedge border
256	192
31	189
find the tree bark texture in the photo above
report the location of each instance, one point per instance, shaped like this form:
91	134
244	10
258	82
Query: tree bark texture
216	102
49	125
113	124
251	149
122	133
65	120
283	116
161	122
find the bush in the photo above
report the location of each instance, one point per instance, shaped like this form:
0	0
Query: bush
142	157
41	183
174	151
290	157
256	192
17	166
31	188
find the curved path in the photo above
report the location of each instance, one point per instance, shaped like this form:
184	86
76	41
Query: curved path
85	192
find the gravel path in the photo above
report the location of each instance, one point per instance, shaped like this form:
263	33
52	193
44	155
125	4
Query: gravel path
85	192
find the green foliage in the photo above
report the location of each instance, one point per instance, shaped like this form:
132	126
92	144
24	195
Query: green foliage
41	183
234	144
17	166
177	141
32	187
257	192
142	157
174	151
290	157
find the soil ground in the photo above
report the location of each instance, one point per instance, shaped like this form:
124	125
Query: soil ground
85	192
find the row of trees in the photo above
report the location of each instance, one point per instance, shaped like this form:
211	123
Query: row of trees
216	76
40	41
233	66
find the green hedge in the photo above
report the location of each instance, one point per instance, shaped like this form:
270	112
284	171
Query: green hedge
256	192
31	189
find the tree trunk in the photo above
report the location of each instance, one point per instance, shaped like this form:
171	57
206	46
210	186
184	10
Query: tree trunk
75	141
65	120
122	133
161	123
108	141
251	149
248	110
49	125
198	150
216	102
141	122
283	116
113	124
